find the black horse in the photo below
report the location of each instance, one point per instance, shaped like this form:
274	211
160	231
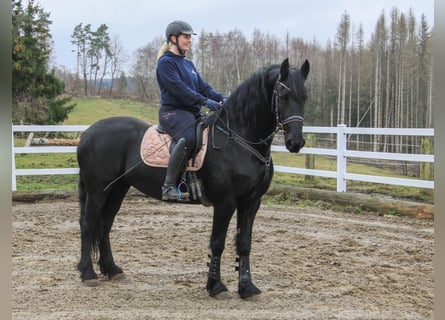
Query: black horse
236	173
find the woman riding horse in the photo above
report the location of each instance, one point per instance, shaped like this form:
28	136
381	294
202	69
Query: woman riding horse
237	170
183	92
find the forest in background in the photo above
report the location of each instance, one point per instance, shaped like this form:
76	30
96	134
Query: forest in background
385	81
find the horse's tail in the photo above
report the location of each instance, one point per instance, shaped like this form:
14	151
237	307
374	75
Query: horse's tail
99	226
82	196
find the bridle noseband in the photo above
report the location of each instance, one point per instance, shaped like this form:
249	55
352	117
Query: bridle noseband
248	145
276	108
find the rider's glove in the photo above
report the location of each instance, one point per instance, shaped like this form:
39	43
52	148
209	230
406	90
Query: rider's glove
212	104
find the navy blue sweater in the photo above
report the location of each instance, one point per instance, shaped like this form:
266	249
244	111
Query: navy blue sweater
181	85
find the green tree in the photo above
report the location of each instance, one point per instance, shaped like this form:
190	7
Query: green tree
35	89
93	54
425	73
81	38
343	36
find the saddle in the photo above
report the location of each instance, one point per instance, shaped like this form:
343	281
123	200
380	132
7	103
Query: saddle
155	147
155	152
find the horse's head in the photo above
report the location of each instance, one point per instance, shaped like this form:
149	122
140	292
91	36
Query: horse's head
290	98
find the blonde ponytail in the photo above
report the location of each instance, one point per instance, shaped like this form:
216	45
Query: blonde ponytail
165	47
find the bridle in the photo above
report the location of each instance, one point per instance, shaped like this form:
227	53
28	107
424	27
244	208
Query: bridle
248	145
276	108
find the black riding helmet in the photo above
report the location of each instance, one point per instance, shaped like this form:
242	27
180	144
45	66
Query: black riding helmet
178	27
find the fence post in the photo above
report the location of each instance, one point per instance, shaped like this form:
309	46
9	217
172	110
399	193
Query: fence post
309	159
426	168
14	181
341	159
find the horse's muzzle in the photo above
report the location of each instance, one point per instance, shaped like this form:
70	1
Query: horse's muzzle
295	146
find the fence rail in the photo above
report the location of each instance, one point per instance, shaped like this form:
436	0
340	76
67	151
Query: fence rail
340	152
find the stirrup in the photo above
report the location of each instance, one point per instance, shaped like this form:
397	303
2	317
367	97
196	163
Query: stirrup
171	193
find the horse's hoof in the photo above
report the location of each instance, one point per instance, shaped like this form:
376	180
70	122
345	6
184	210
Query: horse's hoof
249	292
215	289
91	283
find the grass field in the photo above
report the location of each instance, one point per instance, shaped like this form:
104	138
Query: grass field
89	110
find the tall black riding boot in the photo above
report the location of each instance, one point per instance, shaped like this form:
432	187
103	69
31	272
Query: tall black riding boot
176	164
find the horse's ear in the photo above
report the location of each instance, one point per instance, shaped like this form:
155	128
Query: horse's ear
305	69
284	69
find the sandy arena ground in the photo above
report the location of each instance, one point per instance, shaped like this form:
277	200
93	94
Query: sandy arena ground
310	264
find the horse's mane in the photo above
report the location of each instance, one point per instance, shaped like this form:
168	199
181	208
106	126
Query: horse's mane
251	93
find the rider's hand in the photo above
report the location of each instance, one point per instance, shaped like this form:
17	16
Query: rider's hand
212	104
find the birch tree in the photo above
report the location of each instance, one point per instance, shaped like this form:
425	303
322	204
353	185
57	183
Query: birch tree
118	58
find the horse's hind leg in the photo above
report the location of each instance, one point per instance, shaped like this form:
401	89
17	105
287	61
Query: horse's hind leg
90	210
245	217
112	206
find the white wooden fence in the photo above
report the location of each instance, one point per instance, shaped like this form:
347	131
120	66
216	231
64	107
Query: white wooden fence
341	153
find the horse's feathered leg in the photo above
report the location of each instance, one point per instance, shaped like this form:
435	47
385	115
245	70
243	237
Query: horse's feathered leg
222	214
112	206
245	216
90	229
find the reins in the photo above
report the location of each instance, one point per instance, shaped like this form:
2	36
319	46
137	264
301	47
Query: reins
243	142
248	145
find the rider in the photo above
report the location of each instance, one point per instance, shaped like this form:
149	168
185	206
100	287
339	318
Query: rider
183	92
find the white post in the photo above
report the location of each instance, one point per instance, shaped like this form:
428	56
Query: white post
341	159
14	182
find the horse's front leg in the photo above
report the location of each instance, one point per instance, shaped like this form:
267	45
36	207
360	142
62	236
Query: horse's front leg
245	218
221	219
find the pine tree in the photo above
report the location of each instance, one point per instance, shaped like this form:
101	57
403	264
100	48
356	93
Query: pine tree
343	36
35	89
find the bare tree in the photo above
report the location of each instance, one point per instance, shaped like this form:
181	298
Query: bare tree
118	59
144	70
378	44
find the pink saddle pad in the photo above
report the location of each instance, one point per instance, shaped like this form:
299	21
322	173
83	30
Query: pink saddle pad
155	148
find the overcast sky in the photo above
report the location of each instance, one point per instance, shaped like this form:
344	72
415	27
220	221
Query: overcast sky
137	22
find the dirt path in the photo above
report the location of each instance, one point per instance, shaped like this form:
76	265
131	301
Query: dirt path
309	263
